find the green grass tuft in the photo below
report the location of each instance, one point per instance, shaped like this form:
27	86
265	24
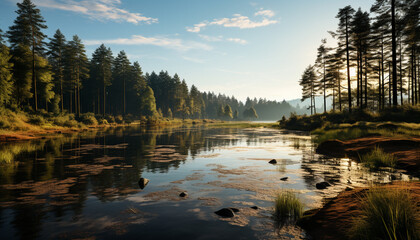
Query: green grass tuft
287	207
377	159
386	214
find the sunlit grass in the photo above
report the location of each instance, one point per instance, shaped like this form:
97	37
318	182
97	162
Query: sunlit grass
377	159
287	207
386	214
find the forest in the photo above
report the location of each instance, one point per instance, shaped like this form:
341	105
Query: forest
374	62
55	75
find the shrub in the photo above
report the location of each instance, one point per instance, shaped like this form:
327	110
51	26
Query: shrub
378	158
386	214
88	119
287	207
70	123
36	120
119	119
109	119
103	121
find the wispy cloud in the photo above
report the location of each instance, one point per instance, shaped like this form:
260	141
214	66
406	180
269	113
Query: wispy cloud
195	60
211	38
221	38
173	43
237	40
237	21
103	10
267	13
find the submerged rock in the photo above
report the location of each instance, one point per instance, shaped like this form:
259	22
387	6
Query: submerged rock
235	210
143	182
183	194
322	185
225	212
284	178
273	161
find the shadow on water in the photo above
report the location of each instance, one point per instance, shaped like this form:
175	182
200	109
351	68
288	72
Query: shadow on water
86	184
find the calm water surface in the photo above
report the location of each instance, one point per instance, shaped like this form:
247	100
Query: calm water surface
85	186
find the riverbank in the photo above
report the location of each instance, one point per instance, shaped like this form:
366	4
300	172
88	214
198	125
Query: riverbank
336	218
20	126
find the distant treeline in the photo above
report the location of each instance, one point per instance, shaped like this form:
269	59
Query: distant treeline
56	75
380	48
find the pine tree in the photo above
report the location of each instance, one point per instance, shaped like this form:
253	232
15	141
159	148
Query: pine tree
122	70
6	83
56	49
22	74
102	72
345	16
308	83
76	71
27	31
321	63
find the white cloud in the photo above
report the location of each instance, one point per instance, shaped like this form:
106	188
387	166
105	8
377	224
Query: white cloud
211	38
195	60
97	9
267	13
237	40
173	43
237	21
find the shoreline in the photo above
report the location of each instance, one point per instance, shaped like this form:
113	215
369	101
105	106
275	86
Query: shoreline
334	219
40	132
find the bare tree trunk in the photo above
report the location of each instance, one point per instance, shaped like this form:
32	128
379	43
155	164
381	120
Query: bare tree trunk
394	56
348	65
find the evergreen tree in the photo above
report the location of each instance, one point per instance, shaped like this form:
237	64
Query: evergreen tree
228	112
27	31
122	71
22	74
345	16
76	71
6	83
308	83
321	64
102	72
56	51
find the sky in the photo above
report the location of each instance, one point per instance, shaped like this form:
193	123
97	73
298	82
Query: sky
256	48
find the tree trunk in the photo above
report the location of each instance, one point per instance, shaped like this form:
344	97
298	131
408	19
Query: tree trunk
366	82
394	57
348	64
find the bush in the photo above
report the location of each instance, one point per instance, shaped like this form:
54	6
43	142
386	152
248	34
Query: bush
378	158
37	120
103	121
70	123
119	119
287	207
110	119
88	119
386	214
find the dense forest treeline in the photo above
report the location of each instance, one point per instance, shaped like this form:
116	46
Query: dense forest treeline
380	48
55	74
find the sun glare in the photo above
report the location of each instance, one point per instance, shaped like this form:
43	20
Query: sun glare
353	72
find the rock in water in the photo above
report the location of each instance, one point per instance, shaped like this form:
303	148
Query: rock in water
183	194
225	212
284	178
235	210
143	182
322	185
255	207
273	161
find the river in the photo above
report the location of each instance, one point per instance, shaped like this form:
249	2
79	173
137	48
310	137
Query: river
85	185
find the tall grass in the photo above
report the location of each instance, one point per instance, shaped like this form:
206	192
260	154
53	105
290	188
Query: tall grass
386	214
287	207
377	159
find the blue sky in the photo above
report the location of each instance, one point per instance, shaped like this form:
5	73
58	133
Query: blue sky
237	47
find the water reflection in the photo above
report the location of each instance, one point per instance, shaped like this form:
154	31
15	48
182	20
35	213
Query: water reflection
85	184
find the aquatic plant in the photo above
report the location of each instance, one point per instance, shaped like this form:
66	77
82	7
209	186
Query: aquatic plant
386	214
377	159
287	207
